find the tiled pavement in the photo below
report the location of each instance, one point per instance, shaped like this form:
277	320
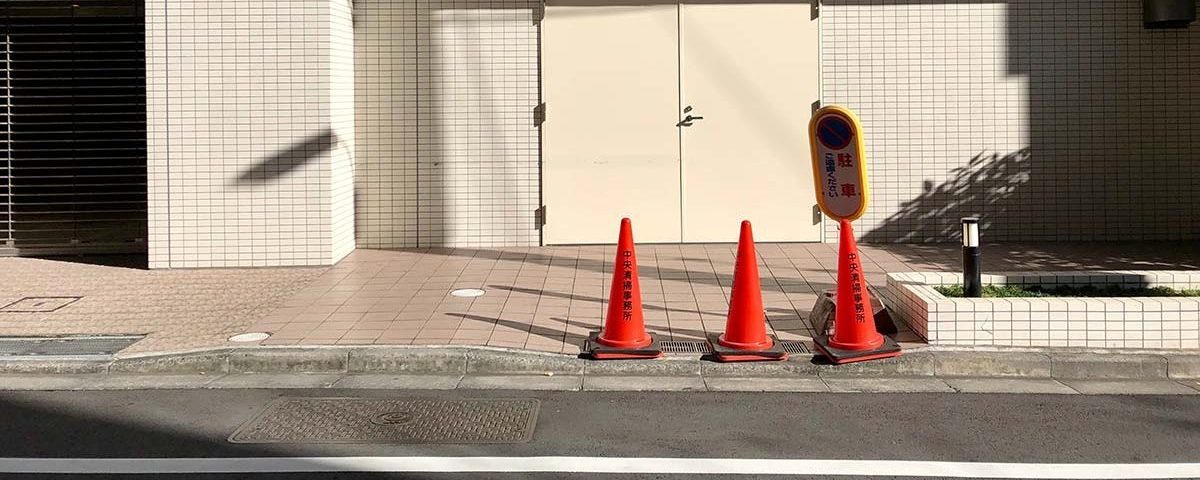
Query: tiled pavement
549	298
179	309
537	298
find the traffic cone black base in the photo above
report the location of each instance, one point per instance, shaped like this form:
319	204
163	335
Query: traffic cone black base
745	338
598	351
838	356
725	354
624	333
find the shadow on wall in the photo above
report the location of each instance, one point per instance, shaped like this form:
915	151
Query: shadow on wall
985	184
1097	148
1106	119
449	157
285	161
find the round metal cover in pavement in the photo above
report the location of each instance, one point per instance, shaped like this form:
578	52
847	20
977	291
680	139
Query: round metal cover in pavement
250	337
467	292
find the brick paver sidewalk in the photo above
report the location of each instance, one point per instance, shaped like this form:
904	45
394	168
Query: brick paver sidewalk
550	298
544	298
179	309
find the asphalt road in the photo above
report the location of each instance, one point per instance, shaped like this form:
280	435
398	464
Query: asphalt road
922	427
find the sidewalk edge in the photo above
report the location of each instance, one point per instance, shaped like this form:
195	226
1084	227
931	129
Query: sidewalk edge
471	360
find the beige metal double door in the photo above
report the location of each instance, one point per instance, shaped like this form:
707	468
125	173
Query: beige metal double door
686	117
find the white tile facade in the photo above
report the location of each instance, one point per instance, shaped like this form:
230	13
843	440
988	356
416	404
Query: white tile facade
285	132
251	132
341	120
447	147
1118	322
385	63
1052	119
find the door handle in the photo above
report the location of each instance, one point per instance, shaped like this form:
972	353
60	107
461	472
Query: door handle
687	121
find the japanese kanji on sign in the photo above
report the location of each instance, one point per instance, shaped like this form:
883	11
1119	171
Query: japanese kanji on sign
839	166
840	170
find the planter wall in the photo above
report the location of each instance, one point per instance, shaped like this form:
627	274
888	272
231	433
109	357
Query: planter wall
1111	322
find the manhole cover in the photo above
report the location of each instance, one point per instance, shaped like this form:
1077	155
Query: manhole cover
250	337
38	304
94	345
392	418
359	420
467	292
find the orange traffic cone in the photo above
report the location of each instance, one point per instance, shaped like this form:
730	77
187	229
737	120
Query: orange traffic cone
745	338
855	338
624	334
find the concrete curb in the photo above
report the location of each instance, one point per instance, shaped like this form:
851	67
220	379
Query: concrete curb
575	383
487	361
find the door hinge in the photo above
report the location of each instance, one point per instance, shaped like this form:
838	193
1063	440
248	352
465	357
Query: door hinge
539	115
539	216
815	12
816	106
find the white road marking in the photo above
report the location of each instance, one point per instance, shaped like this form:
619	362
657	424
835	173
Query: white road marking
718	466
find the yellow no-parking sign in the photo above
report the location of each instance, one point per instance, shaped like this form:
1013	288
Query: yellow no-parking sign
839	165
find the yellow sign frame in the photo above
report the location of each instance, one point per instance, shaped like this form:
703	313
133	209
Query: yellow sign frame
858	149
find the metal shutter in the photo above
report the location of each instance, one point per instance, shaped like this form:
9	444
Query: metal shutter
73	139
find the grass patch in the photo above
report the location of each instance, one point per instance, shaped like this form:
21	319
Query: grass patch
1009	291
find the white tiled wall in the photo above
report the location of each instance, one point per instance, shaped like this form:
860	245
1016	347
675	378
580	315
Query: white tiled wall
447	148
385	65
1052	119
341	120
251	132
1094	322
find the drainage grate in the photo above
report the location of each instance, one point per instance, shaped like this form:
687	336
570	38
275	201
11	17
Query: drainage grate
794	346
677	346
94	345
704	348
391	421
38	304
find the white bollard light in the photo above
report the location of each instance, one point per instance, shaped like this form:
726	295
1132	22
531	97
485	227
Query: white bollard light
972	270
